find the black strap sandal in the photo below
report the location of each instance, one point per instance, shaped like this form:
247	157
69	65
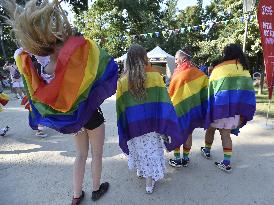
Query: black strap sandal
77	201
99	193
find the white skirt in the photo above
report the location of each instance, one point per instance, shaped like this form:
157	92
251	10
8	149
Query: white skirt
227	123
146	154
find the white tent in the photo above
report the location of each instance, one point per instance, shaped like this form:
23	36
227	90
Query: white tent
158	53
122	58
155	55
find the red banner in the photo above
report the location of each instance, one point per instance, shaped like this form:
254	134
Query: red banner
266	23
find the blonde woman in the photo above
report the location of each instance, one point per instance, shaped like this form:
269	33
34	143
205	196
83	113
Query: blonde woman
144	113
82	77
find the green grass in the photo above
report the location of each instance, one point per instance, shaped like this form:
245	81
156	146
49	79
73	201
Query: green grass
263	102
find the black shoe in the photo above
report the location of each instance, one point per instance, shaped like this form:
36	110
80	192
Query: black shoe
222	166
77	201
205	153
178	162
102	190
166	139
5	130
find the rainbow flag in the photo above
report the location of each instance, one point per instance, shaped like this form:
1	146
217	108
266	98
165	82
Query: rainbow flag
154	114
188	93
85	76
231	93
4	99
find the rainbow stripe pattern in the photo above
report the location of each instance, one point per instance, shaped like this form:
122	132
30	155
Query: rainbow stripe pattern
85	76
227	156
231	93
188	92
154	114
4	99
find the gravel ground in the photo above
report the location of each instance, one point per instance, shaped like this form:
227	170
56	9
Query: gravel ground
36	171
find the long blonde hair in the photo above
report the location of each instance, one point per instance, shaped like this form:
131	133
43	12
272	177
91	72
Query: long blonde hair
40	26
135	68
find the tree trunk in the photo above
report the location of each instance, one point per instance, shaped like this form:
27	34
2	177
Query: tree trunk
261	87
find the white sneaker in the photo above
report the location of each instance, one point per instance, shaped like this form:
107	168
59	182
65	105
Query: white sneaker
139	174
149	189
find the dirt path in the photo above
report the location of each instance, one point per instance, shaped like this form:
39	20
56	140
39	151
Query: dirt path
35	171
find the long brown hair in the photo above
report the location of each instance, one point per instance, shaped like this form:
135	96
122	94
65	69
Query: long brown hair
40	26
135	68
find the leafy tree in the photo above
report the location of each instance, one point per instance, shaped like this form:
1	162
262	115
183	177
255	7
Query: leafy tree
9	40
78	6
231	30
114	22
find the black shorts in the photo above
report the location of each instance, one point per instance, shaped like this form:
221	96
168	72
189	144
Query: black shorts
95	120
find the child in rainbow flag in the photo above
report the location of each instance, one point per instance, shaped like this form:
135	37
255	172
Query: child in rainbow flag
83	76
144	113
4	99
232	102
188	93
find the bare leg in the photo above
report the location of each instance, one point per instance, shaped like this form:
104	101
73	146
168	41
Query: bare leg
188	142
226	139
82	146
209	136
227	145
187	147
96	138
21	93
17	92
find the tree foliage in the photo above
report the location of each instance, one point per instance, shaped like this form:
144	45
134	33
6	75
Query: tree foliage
9	42
78	6
116	24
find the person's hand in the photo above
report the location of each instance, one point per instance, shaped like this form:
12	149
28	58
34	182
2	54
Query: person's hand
6	64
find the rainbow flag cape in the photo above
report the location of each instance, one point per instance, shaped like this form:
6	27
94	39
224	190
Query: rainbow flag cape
154	114
231	93
188	93
85	76
4	99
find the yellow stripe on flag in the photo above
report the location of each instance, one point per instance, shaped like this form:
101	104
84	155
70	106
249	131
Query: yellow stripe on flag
153	80
229	70
91	67
188	89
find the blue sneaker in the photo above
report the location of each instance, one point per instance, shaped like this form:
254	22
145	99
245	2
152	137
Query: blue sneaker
205	152
222	166
4	131
178	162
